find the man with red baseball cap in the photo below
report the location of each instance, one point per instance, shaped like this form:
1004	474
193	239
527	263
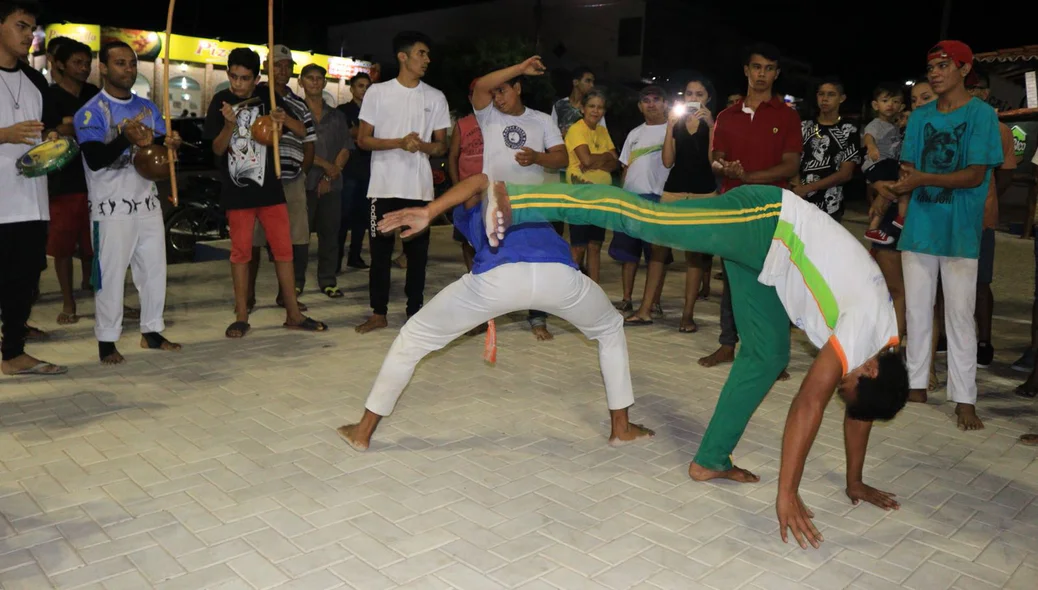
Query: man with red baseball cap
950	147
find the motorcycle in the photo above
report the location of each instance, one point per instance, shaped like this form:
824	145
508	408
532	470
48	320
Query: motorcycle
198	218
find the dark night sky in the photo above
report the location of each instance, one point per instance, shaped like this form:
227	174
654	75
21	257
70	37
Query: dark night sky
835	37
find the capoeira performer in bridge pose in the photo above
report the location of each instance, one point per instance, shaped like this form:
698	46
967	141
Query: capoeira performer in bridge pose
786	261
532	270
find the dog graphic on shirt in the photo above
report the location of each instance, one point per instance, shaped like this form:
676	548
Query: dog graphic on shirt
941	149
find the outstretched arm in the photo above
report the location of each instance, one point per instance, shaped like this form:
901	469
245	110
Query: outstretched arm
416	219
481	92
855	442
805	416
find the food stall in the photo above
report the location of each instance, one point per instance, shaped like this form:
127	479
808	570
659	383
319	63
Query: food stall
197	66
1014	94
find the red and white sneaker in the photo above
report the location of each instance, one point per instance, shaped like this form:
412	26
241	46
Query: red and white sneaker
899	222
879	236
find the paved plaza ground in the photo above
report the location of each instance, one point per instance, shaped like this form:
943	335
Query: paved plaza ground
219	467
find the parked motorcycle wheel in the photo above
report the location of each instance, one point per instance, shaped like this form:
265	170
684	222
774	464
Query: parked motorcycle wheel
183	231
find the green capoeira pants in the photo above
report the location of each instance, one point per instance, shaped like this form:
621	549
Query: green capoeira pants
738	226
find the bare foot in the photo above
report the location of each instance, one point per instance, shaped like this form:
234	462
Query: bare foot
783	376
349	434
700	473
67	317
725	354
1028	388
164	345
632	433
113	359
917	395
541	333
375	322
968	419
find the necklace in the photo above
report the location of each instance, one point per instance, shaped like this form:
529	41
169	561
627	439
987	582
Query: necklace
818	133
17	105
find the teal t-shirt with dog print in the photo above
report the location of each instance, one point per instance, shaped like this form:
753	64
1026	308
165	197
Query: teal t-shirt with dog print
940	221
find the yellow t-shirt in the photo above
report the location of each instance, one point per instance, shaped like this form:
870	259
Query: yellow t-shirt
597	141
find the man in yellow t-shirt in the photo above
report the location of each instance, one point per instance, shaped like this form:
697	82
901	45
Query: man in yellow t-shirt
592	158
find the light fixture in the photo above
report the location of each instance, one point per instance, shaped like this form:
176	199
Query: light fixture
183	83
183	67
909	82
185	96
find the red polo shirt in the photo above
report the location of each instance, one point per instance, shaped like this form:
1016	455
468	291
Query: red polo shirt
757	138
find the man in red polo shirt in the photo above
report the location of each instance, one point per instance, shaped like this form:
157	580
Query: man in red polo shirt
756	141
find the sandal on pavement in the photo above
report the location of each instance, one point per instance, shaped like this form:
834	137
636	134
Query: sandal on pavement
690	328
1030	440
43	368
333	292
242	328
307	325
65	318
632	321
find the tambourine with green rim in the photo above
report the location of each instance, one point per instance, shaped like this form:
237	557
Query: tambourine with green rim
47	157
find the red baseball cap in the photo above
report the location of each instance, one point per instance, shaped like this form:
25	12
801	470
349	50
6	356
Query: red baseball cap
958	52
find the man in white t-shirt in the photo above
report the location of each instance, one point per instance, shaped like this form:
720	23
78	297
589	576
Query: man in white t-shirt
24	207
644	174
403	122
519	144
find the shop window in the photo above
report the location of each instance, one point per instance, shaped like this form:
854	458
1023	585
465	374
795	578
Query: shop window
185	97
141	87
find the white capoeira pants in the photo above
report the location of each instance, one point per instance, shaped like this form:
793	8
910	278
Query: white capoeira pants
959	283
474	299
137	242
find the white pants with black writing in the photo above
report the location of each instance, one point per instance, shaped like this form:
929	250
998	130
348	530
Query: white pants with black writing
140	244
476	298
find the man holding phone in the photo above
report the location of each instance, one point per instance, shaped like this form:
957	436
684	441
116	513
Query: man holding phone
756	141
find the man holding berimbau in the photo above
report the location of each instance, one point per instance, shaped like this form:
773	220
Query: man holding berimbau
125	211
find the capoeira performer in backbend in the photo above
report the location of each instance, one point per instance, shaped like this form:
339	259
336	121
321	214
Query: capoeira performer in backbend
786	260
127	228
532	270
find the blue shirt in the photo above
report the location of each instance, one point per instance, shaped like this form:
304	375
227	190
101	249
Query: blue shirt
948	222
527	242
118	190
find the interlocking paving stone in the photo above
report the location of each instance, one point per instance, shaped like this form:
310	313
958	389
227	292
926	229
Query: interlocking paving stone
219	467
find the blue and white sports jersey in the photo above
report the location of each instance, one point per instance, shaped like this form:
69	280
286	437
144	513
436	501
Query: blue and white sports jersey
118	190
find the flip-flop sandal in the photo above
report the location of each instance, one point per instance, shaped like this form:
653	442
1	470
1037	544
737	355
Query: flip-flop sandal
65	319
1030	440
1022	392
690	328
307	325
333	292
637	322
625	305
43	368
242	328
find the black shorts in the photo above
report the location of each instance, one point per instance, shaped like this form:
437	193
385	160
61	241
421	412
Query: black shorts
581	235
883	170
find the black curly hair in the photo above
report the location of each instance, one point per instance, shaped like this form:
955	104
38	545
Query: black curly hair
883	396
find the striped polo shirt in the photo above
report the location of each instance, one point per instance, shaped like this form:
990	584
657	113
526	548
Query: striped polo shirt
290	145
